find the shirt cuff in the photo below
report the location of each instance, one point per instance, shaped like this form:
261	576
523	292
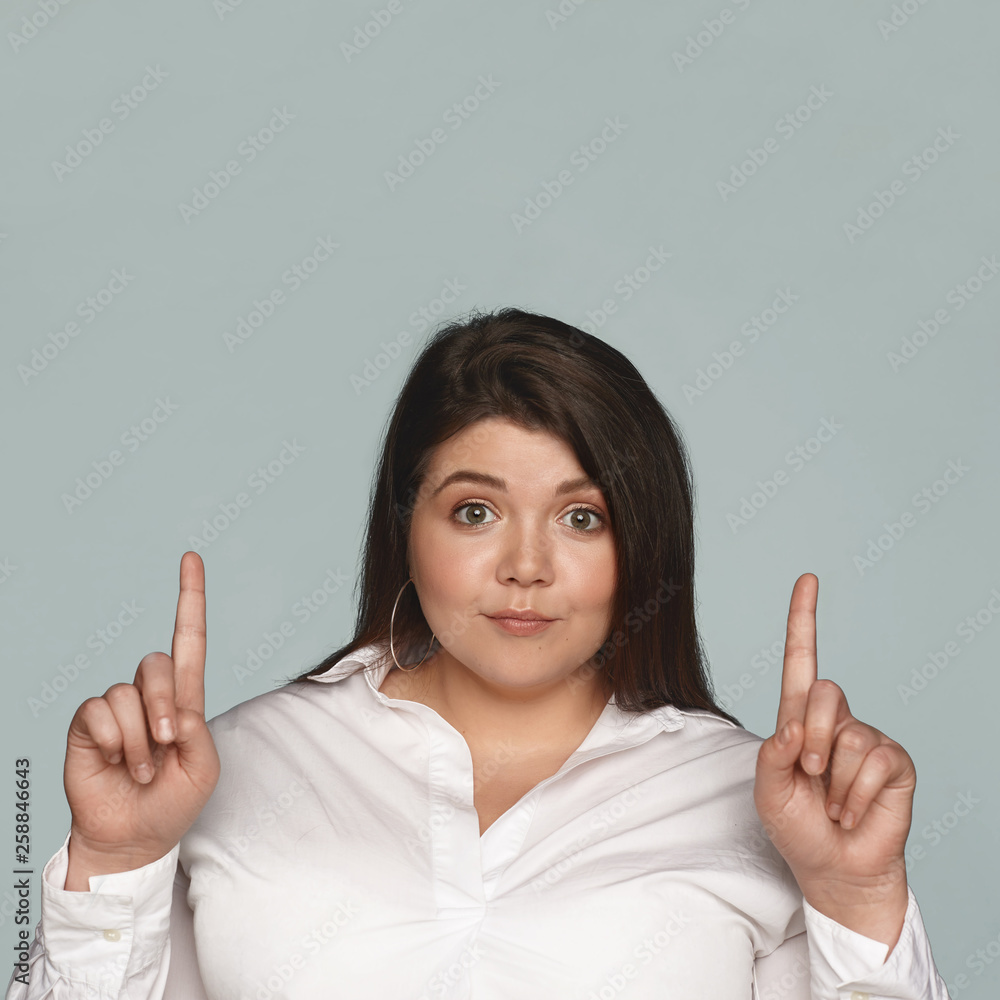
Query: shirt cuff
102	937
846	964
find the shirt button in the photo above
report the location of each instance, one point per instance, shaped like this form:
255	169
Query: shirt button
115	935
856	995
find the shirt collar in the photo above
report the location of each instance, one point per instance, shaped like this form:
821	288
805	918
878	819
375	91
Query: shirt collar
613	725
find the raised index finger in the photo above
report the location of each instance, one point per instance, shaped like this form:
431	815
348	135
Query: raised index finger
188	647
798	671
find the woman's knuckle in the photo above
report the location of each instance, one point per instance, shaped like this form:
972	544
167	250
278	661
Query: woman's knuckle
852	741
883	758
90	707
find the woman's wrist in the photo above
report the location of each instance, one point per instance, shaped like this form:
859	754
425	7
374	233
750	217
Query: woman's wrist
85	861
877	910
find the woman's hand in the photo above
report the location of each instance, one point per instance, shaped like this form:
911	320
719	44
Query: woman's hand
122	818
836	796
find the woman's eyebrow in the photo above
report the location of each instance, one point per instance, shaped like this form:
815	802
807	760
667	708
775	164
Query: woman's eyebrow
485	479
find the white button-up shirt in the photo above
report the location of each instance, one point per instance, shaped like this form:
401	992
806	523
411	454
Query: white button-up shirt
340	856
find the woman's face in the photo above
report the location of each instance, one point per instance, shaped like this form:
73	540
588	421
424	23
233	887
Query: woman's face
494	527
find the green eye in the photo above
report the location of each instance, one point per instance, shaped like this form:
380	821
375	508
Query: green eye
477	513
588	516
587	520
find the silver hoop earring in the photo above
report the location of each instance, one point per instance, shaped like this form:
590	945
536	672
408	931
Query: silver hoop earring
391	620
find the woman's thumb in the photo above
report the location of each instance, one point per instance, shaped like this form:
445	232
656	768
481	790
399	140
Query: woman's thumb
775	777
195	746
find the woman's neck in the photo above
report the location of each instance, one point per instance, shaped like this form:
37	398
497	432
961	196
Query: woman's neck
544	719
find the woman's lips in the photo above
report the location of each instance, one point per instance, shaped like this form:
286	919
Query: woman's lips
520	626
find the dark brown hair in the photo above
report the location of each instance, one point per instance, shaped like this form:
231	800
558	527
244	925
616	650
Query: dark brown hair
544	374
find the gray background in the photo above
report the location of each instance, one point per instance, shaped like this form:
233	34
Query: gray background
890	90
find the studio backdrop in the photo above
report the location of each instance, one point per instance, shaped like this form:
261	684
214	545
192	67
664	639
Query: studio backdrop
228	227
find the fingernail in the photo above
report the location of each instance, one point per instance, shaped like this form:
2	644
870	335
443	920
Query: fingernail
115	758
144	772
813	762
847	820
785	735
164	731
834	811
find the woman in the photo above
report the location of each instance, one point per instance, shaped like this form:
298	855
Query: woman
513	782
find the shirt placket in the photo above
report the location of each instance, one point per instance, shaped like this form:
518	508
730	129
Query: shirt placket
467	867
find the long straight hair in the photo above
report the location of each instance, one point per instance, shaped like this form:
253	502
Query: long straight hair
544	374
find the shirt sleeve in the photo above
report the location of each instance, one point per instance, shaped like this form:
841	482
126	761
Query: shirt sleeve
828	961
784	973
846	965
111	943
